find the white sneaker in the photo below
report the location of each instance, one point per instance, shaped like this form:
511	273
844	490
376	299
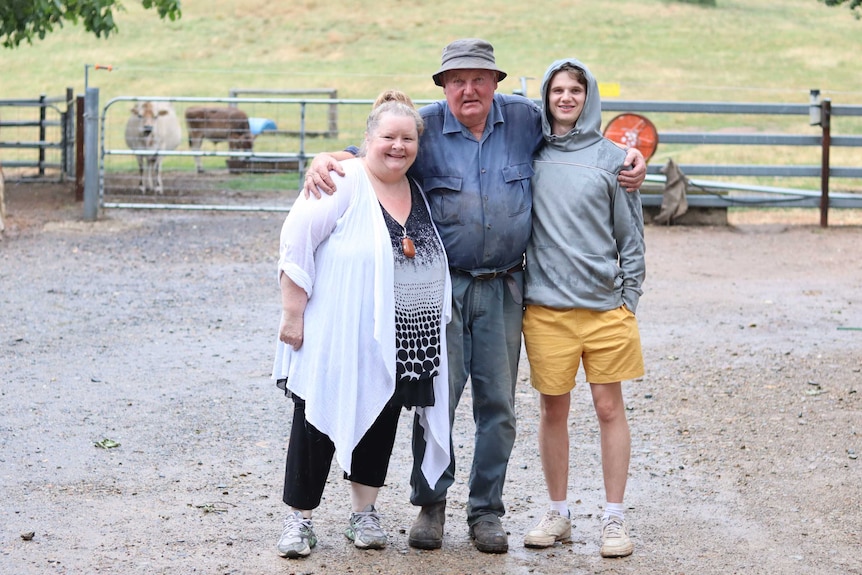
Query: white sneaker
297	536
365	531
552	528
615	538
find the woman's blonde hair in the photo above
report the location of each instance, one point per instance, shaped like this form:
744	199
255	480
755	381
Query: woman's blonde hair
393	96
396	109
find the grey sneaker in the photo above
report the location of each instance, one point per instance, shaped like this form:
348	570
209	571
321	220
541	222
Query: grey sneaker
297	537
365	531
615	538
552	528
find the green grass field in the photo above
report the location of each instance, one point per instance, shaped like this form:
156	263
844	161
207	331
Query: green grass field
742	50
739	51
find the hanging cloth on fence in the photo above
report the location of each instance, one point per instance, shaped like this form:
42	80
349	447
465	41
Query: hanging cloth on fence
673	201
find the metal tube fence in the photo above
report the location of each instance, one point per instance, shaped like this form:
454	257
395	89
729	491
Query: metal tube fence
269	175
36	137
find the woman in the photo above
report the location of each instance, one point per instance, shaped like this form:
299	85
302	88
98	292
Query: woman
365	296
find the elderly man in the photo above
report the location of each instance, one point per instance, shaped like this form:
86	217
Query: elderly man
475	163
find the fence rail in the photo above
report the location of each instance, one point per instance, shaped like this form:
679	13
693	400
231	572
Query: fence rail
821	111
332	127
350	115
307	126
43	134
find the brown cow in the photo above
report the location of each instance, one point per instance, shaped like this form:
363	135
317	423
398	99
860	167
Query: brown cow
219	124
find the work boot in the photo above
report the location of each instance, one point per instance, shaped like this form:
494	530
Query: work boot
489	537
427	531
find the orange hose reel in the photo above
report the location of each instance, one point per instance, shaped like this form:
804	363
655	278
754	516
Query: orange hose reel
634	131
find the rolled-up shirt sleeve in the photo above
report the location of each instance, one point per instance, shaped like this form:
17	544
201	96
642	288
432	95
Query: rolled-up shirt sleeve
310	222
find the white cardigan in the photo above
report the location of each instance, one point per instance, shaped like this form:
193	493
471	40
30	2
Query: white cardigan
337	248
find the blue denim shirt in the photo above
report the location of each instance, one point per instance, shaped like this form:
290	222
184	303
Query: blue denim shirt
479	191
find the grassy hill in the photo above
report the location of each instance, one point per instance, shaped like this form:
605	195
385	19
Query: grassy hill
741	50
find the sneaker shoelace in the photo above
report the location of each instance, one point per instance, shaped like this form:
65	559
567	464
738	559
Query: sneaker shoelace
548	520
367	520
613	527
295	524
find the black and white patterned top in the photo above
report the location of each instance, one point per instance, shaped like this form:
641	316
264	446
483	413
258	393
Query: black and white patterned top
419	285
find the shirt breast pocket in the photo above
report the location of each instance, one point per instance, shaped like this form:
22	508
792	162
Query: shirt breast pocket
443	194
520	194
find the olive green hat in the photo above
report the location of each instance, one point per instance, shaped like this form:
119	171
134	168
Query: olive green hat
467	54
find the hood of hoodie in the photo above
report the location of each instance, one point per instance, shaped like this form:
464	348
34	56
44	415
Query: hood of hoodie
588	128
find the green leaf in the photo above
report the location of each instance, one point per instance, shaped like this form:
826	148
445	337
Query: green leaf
107	444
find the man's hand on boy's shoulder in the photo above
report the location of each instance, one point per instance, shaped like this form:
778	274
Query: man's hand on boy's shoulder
632	178
318	179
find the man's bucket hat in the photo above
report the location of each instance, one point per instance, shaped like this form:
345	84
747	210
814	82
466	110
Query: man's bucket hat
467	54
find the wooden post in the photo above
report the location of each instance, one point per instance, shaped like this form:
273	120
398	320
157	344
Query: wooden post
825	121
332	127
42	105
67	136
79	149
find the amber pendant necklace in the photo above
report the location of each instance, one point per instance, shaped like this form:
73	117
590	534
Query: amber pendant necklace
408	248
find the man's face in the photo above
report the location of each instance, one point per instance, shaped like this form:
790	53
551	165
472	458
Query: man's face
469	94
566	98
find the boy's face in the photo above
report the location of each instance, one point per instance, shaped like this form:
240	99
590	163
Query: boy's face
566	98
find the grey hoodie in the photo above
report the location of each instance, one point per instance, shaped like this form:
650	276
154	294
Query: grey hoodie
587	245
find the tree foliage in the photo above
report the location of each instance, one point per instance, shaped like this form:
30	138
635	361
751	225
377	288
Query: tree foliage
28	19
854	5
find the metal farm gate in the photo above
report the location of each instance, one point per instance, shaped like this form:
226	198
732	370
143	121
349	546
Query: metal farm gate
37	137
287	133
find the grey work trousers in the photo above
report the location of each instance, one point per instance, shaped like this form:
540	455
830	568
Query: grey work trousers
484	340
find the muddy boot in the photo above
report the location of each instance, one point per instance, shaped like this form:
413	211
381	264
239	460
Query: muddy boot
427	531
489	537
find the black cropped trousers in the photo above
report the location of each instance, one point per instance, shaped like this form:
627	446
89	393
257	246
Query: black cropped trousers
310	452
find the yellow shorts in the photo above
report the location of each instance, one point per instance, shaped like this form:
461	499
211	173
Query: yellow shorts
557	339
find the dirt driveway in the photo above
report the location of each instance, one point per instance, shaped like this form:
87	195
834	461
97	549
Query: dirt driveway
155	330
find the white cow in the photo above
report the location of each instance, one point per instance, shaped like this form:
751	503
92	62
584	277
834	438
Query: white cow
152	126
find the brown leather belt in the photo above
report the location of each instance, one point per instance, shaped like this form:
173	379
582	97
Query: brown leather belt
494	275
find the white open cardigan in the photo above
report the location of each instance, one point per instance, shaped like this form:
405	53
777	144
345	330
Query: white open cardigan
337	248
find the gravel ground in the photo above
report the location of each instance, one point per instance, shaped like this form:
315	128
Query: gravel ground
155	330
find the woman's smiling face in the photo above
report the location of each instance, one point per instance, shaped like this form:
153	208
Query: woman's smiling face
394	143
